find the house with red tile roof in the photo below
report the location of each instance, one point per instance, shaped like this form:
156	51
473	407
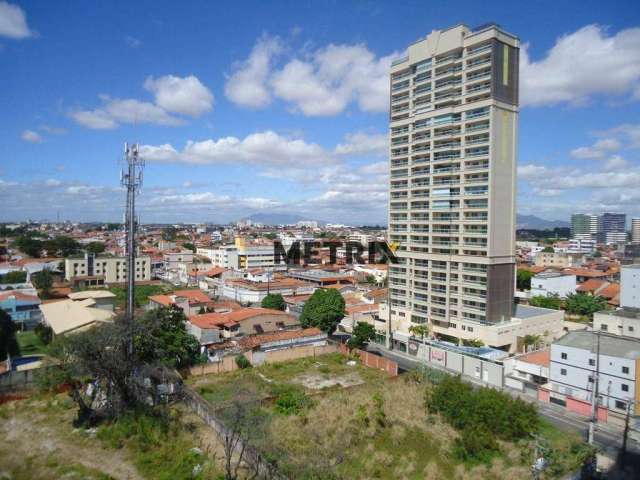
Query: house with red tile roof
190	301
22	308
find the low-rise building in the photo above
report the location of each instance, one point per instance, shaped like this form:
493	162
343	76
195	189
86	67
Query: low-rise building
553	283
22	308
70	316
191	302
91	270
103	299
623	321
575	365
527	371
630	286
558	259
247	291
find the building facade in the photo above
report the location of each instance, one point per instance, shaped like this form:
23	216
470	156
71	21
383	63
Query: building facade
635	230
585	224
100	270
553	283
454	125
630	286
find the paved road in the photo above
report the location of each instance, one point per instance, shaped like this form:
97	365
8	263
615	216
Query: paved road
607	438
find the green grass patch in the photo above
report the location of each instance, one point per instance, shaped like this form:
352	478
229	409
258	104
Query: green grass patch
30	343
141	293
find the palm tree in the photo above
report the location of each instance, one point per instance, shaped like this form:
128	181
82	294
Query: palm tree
419	330
531	341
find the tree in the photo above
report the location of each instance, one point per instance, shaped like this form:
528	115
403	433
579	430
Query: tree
584	304
421	330
164	338
274	301
95	247
324	309
44	333
362	334
548	249
8	341
62	246
15	276
531	341
169	234
550	301
523	280
189	246
476	342
43	281
29	246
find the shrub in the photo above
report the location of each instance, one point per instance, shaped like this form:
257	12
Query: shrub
290	399
243	362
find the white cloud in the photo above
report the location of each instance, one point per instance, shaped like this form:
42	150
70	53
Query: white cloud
13	22
362	143
133	42
247	85
320	83
53	130
263	148
531	172
31	136
615	162
580	65
187	96
628	132
598	149
52	182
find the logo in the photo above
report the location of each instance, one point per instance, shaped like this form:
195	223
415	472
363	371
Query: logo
300	253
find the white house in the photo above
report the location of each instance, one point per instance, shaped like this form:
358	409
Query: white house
553	283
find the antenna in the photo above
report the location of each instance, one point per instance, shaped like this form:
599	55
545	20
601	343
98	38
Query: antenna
132	180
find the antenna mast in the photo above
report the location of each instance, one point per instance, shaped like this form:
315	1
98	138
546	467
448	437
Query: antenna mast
132	180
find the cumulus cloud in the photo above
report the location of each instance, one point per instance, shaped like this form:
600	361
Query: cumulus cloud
247	85
363	143
187	96
598	150
264	148
13	22
31	136
319	83
580	65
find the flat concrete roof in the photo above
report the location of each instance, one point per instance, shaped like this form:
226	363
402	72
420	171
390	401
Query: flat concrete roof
610	345
527	311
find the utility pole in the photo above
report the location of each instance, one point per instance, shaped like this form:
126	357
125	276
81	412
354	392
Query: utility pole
132	180
594	393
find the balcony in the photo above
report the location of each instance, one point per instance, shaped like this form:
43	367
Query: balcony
421	148
446	145
477	152
423	77
446	156
477	50
398	61
400	174
477	166
478	88
437	171
476	127
478	61
477	113
400	86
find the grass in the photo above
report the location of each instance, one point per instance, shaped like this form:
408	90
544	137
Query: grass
380	429
30	343
141	293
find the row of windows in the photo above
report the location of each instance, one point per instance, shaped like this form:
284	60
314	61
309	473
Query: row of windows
592	362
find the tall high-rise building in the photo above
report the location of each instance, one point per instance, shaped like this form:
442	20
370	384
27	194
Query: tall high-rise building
454	125
635	230
614	227
584	225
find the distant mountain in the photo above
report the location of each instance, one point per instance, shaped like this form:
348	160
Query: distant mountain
278	218
537	223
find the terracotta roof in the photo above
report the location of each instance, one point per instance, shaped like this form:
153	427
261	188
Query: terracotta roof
297	298
253	341
541	357
212	272
591	285
378	292
362	308
610	291
226	305
585	272
19	296
215	319
194	296
162	300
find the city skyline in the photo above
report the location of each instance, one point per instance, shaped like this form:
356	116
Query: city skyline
268	118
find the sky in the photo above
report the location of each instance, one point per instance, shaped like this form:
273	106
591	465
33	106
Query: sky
282	106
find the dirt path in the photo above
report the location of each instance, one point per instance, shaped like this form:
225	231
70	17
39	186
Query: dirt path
30	435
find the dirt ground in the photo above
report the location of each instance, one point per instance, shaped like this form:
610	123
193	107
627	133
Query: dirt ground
318	381
38	442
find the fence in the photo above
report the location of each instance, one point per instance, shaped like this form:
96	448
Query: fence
373	361
228	363
251	456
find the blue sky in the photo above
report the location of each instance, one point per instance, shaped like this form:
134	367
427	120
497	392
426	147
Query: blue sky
246	107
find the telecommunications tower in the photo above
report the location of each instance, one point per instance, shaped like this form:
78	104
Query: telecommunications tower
131	178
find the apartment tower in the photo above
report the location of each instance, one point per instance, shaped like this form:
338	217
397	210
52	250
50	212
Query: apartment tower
635	230
454	125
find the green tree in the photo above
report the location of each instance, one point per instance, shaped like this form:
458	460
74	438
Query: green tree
163	336
324	309
44	333
43	281
169	234
15	276
473	343
362	334
95	247
274	301
523	280
8	341
420	330
29	246
548	249
531	341
584	304
550	301
189	246
62	246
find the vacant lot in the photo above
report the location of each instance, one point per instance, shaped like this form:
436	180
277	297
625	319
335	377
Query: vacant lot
30	343
44	445
329	419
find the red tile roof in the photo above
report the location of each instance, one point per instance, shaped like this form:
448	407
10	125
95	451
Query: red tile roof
541	357
19	296
591	285
253	341
362	308
215	319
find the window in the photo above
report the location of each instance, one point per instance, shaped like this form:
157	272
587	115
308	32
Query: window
563	355
592	362
630	328
621	405
563	371
624	387
590	379
625	369
604	327
470	329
